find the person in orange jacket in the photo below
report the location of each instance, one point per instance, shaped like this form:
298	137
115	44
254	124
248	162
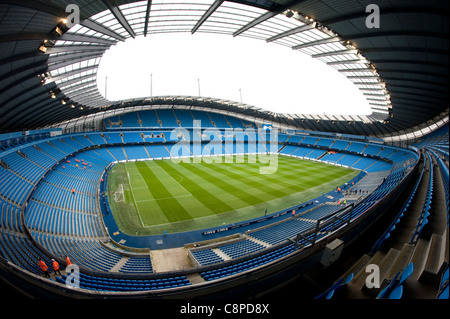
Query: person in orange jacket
44	268
68	262
56	267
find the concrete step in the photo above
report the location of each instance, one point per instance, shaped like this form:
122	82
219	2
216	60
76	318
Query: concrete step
221	254
119	264
359	280
435	261
402	261
195	278
386	266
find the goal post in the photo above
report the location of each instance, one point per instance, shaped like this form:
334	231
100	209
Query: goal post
119	195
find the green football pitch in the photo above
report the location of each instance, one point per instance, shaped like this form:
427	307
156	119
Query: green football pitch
157	196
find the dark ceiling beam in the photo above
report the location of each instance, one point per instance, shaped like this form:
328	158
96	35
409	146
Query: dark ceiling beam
419	81
41	6
317	42
361	14
415	72
433	93
43	112
417	97
406	104
120	17
382	128
36	122
85	38
62	64
398	61
346	62
367	51
303	124
16	104
392	125
374	34
73	56
361	129
81	47
22	56
371	129
41	36
367	69
90	24
18	82
326	124
400	33
13	73
31	110
266	16
412	111
206	15
332	53
404	49
296	30
147	16
374	129
407	120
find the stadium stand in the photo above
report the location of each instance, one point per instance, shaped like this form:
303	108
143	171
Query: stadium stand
61	135
49	203
411	239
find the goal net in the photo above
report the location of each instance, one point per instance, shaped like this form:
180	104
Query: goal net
118	195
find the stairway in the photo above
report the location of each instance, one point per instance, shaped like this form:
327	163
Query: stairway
119	264
430	259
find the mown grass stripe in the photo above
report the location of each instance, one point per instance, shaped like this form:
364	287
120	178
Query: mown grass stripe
169	205
170	182
304	174
148	214
251	182
208	199
245	195
188	200
270	183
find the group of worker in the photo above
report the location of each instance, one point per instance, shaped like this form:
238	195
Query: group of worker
55	266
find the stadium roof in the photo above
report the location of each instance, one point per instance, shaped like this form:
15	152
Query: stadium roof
48	70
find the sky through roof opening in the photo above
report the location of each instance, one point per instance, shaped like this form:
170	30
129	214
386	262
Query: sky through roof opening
265	75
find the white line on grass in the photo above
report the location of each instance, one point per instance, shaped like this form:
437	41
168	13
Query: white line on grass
134	200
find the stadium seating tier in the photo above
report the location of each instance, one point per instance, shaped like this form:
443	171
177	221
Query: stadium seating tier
38	183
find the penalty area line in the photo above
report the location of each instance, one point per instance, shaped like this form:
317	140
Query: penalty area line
134	198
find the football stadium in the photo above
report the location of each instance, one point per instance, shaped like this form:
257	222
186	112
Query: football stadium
196	197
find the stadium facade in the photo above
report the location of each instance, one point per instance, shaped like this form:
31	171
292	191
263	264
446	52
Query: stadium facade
61	138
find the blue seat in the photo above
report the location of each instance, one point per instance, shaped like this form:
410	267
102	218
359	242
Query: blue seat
329	293
407	272
396	293
444	293
395	283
